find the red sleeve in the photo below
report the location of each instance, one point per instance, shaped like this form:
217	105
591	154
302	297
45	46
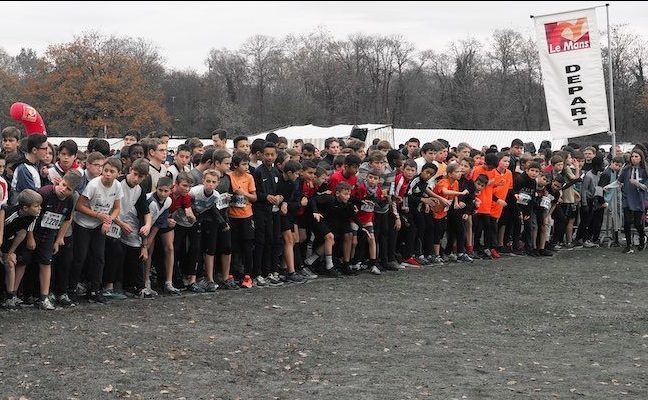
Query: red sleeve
379	192
186	201
359	192
334	180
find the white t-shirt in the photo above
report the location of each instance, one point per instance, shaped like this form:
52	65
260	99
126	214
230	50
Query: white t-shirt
100	199
420	162
200	201
173	171
129	213
156	209
156	174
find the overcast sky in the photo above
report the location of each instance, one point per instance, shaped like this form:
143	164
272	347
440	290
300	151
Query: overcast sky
185	32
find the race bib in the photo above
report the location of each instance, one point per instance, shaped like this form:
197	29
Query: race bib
239	201
101	209
223	201
367	207
524	199
114	231
545	202
52	220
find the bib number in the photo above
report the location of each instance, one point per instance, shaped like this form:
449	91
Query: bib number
223	201
546	202
52	220
239	201
114	231
524	199
367	207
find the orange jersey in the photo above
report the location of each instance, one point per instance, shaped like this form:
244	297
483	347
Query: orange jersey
486	195
240	207
441	211
501	186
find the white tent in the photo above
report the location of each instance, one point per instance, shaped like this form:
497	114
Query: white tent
477	138
82	142
116	143
317	134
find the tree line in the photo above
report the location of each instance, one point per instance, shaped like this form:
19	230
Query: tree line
100	84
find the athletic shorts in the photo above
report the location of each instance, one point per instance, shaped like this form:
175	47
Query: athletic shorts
208	233
224	241
569	210
287	223
44	250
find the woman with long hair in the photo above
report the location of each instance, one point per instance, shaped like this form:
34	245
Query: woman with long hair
633	179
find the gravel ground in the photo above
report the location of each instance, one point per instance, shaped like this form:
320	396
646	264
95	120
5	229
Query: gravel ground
571	326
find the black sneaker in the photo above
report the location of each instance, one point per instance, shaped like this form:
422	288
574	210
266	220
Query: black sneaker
295	278
65	301
346	270
505	250
532	253
642	245
545	253
391	266
97	297
195	288
628	250
331	273
229	284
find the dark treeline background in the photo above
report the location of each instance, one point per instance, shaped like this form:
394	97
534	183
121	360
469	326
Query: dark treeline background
98	83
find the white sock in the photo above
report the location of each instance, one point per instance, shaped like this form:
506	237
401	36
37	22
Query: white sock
310	260
329	262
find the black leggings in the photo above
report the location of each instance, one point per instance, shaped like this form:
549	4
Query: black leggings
486	225
88	250
381	233
114	265
61	266
630	218
425	232
456	231
243	242
133	267
439	229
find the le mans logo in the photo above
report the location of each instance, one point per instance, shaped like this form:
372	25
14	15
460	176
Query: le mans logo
567	35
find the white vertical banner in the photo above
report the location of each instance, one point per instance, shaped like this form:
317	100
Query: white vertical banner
572	73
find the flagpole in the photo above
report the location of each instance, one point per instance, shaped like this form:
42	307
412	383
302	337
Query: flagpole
610	83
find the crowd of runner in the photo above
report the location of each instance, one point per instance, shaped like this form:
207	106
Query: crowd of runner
104	226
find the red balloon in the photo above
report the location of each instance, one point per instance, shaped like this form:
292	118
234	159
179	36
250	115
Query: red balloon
29	117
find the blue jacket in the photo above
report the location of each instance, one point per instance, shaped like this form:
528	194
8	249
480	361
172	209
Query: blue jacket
634	197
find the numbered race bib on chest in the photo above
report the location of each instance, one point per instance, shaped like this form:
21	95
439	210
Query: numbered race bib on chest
52	220
223	201
524	199
239	201
114	231
545	202
367	206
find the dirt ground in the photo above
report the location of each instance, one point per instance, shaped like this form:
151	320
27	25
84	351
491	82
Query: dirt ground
571	326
